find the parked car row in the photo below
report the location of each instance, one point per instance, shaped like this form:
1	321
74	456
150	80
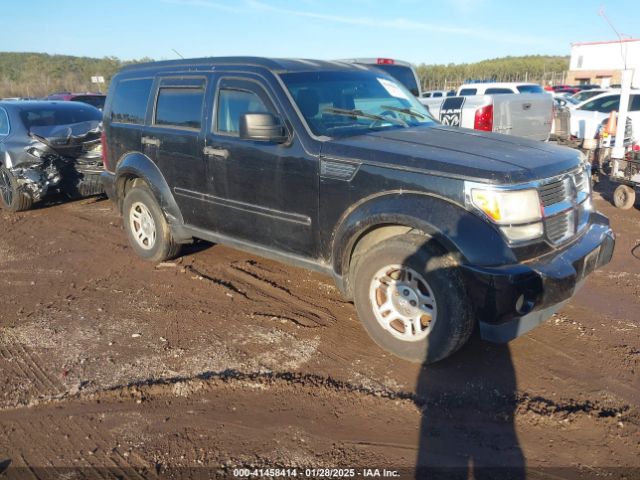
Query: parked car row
337	167
95	99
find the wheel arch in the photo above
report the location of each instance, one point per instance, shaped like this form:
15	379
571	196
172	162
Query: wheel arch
136	166
450	226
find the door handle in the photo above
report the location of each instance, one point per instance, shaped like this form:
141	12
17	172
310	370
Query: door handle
151	141
216	152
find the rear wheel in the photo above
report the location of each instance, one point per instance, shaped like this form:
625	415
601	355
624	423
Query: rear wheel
411	298
624	197
146	226
11	198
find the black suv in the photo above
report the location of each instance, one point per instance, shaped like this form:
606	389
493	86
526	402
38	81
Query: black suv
340	169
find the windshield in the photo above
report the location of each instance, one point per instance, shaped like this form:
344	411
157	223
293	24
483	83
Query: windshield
530	89
354	102
403	74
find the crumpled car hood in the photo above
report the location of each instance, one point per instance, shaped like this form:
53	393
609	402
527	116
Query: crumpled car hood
68	140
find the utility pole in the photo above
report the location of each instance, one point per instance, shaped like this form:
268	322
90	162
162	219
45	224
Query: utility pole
617	153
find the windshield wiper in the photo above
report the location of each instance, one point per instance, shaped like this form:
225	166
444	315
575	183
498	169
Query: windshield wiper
407	111
359	113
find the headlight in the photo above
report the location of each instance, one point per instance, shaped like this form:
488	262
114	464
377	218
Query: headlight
517	212
508	206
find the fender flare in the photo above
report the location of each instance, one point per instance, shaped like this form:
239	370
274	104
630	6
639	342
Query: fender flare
138	165
456	229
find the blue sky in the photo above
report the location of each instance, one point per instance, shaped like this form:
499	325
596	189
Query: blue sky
416	30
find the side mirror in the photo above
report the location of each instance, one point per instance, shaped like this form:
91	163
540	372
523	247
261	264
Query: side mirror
263	127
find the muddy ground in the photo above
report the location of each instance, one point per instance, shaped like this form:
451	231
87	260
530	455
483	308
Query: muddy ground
113	366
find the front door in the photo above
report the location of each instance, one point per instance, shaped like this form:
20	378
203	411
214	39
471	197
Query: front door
262	192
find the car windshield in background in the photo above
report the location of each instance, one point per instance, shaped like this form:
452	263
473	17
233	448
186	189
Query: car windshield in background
401	73
93	100
352	103
49	116
530	89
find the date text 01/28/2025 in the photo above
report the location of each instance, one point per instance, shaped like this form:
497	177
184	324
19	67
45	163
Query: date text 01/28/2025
315	473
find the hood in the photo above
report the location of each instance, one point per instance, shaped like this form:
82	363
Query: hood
458	153
68	140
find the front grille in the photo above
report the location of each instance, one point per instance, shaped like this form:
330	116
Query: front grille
564	213
554	192
560	227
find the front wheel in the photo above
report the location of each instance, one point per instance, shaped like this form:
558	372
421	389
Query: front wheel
148	231
411	298
624	197
11	198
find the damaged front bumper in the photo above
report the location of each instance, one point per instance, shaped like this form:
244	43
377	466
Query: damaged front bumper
72	166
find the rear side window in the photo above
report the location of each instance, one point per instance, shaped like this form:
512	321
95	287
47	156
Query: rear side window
130	101
4	122
493	91
468	91
179	107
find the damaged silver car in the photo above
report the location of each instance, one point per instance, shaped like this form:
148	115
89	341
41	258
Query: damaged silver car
47	147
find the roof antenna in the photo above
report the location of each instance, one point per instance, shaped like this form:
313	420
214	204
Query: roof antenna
177	52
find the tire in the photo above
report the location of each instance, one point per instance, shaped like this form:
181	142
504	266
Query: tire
11	198
435	279
147	229
624	197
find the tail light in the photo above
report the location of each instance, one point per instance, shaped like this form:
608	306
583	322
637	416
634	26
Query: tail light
103	142
636	147
484	118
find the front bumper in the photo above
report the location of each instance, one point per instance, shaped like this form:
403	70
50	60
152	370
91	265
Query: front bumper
512	299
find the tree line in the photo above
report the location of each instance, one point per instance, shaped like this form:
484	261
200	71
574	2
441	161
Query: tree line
39	74
531	68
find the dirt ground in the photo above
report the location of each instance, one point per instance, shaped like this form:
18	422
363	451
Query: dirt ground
112	367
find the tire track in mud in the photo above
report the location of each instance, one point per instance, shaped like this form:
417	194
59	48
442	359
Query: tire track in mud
18	360
273	300
520	402
50	442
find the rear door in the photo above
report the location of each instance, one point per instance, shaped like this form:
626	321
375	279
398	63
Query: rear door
174	140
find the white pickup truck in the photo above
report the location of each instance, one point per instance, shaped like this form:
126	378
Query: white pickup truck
528	115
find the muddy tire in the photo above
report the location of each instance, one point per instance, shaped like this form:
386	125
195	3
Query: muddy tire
411	298
624	197
146	226
11	198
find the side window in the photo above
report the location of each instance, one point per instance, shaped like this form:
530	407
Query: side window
235	98
130	101
437	94
604	104
179	107
4	122
635	103
468	91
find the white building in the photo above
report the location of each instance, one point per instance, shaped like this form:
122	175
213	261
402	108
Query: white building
601	62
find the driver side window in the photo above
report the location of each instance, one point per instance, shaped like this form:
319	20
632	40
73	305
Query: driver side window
234	100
